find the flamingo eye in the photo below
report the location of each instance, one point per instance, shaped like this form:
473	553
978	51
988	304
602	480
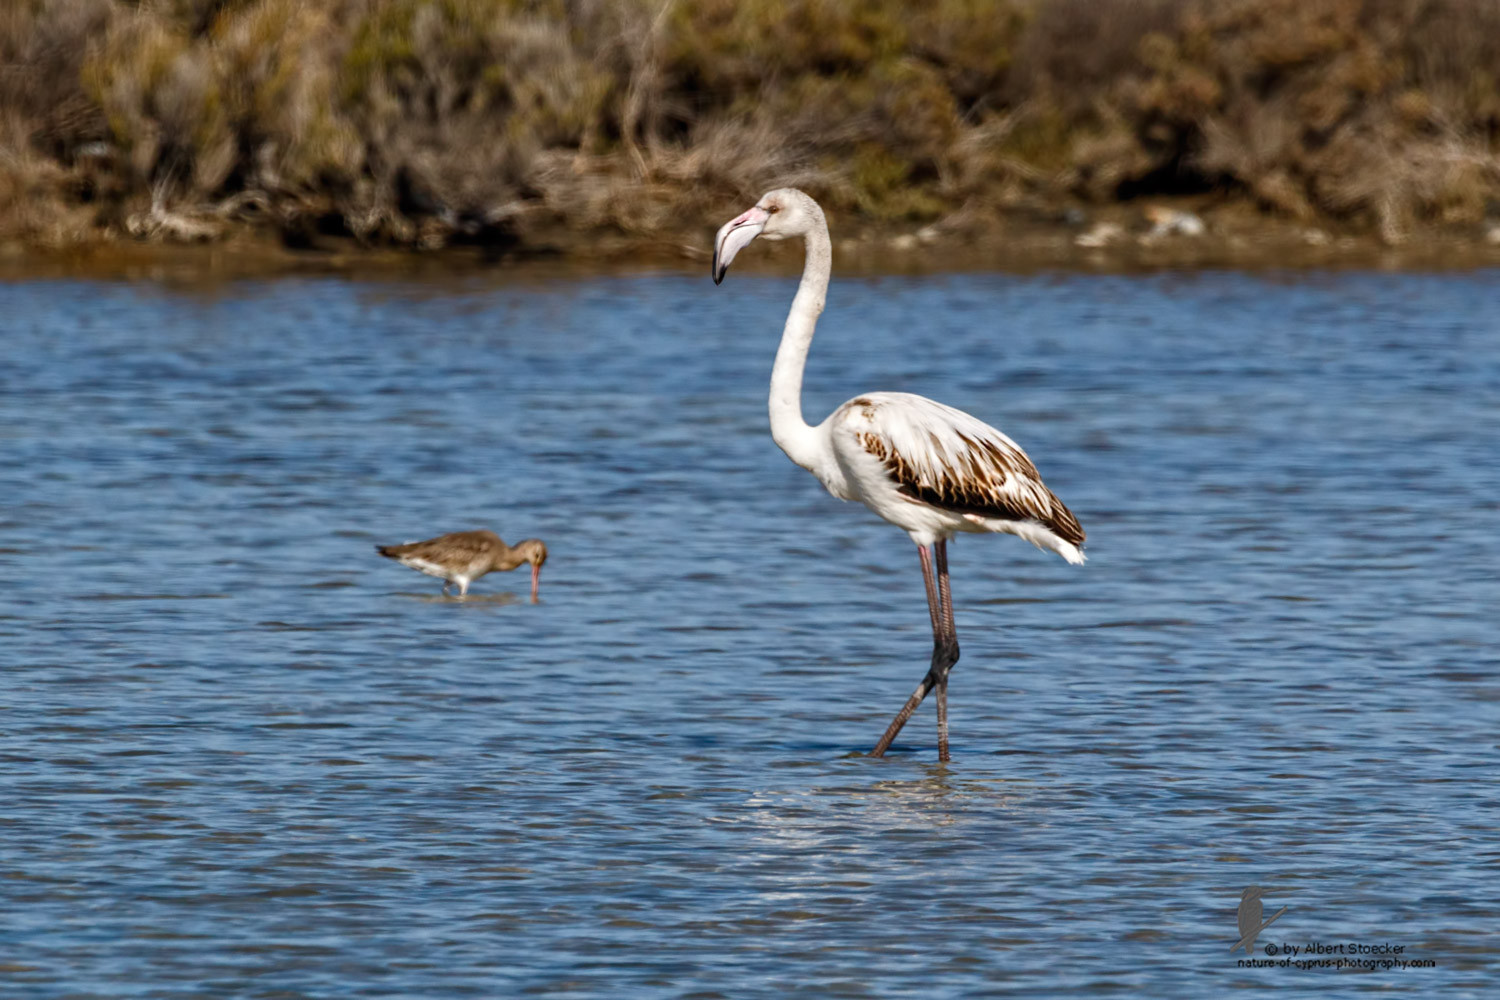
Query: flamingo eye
772	209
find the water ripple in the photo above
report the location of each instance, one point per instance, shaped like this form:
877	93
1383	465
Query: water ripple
243	756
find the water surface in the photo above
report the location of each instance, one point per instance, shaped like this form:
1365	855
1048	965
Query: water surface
241	755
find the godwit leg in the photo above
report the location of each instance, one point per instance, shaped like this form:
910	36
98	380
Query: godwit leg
944	654
445	587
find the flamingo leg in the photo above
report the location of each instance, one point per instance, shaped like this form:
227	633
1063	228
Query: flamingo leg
944	655
948	642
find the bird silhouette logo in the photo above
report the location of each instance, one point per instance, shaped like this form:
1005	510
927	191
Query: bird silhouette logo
1249	920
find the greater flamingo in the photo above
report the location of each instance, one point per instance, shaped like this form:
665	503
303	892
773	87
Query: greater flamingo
465	556
925	467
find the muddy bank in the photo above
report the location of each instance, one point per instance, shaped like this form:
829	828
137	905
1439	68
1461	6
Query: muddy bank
1122	240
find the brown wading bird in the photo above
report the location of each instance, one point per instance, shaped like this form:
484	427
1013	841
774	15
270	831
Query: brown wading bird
925	467
465	556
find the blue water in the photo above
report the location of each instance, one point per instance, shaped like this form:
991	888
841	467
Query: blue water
241	755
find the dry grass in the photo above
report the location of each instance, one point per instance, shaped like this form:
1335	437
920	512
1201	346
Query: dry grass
423	122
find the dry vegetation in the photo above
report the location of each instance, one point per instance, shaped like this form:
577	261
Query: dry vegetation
428	122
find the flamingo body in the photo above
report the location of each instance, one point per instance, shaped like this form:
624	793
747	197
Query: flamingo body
927	468
933	471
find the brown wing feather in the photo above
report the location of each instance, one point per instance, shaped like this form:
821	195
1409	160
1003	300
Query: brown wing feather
985	480
459	548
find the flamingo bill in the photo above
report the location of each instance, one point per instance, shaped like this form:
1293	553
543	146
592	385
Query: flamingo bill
734	237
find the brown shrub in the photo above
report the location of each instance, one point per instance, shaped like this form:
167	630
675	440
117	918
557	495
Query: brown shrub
424	121
455	101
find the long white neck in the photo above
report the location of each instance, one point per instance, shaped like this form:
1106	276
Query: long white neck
790	432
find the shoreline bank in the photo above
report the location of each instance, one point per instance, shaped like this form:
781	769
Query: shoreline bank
1122	240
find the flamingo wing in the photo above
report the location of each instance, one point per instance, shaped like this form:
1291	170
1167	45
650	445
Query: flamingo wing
945	458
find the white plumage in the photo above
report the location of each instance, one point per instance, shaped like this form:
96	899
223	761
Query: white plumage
934	471
927	468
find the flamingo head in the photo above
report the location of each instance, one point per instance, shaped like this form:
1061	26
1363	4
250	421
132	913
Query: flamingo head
779	214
